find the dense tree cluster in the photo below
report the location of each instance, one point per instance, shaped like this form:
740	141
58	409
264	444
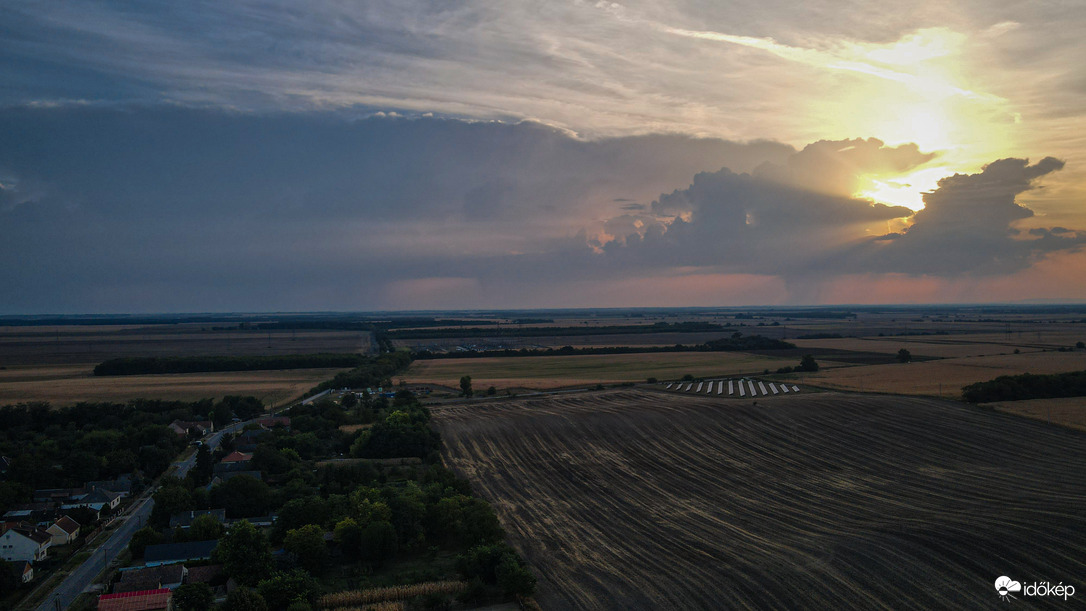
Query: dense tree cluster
402	430
338	500
1027	386
67	447
740	343
370	373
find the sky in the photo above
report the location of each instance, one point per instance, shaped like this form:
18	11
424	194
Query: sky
289	156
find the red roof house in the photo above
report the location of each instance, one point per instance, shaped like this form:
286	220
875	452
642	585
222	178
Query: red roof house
144	600
237	457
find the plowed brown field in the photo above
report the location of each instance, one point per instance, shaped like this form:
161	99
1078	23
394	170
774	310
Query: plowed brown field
635	499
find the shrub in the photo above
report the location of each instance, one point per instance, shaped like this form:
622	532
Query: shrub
513	577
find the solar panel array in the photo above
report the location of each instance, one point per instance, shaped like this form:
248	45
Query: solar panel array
742	387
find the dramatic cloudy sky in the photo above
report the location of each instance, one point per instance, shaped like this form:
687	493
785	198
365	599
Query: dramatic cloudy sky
235	156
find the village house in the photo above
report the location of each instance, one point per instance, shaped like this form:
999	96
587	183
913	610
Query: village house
144	600
27	572
172	553
273	421
212	575
153	578
182	427
64	531
248	439
121	486
99	499
234	461
25	543
57	495
235	457
40	514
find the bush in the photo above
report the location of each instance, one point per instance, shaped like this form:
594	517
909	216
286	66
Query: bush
284	588
193	597
379	542
513	577
141	539
244	599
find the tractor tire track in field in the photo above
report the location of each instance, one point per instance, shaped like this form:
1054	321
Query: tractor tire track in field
635	499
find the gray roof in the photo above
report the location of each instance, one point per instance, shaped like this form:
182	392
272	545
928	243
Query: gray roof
179	552
150	578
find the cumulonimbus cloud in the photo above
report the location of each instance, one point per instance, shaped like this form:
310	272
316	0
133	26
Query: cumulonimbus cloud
796	219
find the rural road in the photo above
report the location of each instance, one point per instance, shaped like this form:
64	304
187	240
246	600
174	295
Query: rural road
79	579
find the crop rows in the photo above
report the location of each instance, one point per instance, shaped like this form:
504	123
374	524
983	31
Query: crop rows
354	598
643	499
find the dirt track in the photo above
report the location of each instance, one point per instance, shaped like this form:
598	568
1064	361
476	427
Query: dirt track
642	500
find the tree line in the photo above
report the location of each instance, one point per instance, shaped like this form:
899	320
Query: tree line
1027	386
517	331
197	364
736	343
67	447
371	372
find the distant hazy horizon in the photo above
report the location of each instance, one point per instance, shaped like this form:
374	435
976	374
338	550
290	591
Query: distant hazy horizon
1026	306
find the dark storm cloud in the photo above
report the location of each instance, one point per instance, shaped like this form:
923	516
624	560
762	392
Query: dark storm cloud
967	226
771	222
768	221
171	208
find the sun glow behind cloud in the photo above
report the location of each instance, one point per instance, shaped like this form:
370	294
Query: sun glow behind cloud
910	90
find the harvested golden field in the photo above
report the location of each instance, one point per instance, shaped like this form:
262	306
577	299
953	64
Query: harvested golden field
1066	411
944	377
637	499
541	372
68	384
